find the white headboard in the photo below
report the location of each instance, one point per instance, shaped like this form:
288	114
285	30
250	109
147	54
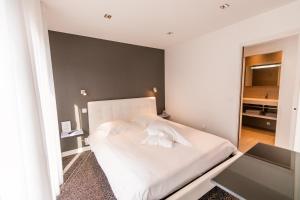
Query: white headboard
125	109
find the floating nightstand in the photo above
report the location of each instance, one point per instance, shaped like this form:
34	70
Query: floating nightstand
67	132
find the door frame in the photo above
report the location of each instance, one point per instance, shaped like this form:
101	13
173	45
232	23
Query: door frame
296	97
242	79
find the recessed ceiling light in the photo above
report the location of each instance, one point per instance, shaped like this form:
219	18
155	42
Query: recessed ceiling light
224	6
170	33
107	16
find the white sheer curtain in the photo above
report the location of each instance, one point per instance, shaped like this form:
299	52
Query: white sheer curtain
30	163
37	34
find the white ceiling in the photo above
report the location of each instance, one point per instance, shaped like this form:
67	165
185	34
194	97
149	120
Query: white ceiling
146	22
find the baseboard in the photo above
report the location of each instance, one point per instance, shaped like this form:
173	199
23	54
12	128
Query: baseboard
75	151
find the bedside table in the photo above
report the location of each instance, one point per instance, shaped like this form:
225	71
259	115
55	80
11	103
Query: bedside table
71	133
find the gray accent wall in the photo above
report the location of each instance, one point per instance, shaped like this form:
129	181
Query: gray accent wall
106	70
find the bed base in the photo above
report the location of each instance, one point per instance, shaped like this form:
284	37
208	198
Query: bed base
197	188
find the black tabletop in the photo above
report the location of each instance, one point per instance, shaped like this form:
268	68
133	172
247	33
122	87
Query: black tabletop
264	172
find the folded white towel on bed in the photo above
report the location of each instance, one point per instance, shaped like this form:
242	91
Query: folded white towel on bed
158	140
162	133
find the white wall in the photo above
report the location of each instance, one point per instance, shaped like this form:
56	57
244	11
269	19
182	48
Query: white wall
203	75
285	127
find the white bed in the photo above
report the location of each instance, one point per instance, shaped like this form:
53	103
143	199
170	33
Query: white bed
137	171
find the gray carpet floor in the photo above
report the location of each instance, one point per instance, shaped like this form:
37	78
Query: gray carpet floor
216	194
87	181
76	165
67	159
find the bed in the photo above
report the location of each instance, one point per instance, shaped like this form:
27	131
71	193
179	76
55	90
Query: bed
137	171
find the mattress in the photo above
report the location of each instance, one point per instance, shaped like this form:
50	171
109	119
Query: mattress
136	171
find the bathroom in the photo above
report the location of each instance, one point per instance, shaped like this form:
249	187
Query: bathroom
267	98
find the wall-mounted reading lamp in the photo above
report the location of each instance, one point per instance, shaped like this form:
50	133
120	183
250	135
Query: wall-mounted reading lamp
266	66
154	89
83	92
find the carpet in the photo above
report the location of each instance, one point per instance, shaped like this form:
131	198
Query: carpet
88	182
80	160
66	160
216	194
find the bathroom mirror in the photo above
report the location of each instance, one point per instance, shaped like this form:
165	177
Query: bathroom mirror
267	75
263	69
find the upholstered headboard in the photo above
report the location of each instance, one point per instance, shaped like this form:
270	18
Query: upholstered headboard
125	109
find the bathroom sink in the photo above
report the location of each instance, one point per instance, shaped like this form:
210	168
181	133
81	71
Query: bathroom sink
261	101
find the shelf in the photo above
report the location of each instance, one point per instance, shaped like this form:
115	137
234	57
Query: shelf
72	133
260	116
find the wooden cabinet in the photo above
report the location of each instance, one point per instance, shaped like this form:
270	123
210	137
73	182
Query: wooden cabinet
260	123
260	116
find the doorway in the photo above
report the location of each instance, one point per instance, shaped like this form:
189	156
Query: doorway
260	98
268	93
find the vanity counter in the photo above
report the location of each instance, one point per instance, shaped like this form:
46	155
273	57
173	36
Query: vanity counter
261	101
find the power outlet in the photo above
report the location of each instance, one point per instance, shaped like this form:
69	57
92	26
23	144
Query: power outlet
203	127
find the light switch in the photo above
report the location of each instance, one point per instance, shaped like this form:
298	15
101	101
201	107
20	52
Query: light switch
84	110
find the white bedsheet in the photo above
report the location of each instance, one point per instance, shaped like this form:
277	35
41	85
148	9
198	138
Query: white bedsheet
137	171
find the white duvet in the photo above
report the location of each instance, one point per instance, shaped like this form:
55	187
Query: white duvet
136	171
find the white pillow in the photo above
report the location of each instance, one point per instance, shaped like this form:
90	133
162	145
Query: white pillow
145	120
113	127
157	140
163	128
